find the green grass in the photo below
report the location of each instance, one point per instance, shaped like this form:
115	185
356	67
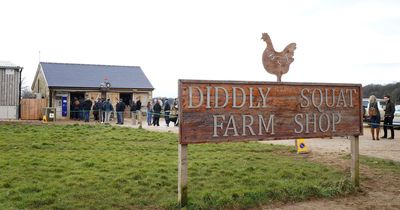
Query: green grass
381	164
104	167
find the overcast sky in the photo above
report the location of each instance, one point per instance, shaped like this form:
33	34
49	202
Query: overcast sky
337	41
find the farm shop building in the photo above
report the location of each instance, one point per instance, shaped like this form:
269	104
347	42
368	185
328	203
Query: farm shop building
60	83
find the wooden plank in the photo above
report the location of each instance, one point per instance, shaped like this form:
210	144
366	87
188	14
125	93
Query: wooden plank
218	111
31	109
355	163
182	175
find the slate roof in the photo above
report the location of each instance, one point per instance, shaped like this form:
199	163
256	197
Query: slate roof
90	75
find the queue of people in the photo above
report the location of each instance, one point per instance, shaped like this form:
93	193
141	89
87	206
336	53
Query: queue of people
80	109
375	118
103	111
136	107
154	111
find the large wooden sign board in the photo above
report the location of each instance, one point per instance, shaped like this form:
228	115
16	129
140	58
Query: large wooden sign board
219	111
231	111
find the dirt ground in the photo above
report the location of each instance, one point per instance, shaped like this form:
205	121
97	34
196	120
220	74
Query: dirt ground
379	190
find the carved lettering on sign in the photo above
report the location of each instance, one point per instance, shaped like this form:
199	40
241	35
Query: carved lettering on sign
212	111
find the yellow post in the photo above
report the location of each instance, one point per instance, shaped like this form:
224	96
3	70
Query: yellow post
44	120
301	146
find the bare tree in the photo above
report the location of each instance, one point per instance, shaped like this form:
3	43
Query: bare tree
26	91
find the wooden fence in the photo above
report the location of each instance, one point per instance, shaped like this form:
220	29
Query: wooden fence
31	109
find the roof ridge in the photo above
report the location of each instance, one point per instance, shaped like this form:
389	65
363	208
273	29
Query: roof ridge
87	64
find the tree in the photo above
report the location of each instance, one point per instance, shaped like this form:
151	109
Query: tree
393	90
26	91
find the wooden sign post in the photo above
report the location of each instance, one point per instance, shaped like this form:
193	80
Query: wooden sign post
355	164
182	174
232	111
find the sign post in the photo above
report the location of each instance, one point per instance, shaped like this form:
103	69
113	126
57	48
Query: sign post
233	111
355	164
182	175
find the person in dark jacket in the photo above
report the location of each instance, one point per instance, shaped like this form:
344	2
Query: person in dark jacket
120	108
96	109
133	112
87	106
138	111
138	105
156	113
108	108
133	106
167	110
75	111
81	110
389	115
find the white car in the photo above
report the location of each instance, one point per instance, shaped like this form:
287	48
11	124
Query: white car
396	119
381	107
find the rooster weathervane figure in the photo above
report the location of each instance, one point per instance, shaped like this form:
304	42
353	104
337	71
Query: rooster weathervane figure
277	62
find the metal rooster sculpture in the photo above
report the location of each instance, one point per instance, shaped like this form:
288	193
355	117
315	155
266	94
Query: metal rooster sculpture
277	62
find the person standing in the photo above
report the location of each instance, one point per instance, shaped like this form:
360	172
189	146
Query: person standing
102	113
120	108
149	112
81	110
138	111
375	117
173	116
133	112
389	115
156	114
87	106
167	110
108	108
76	109
96	108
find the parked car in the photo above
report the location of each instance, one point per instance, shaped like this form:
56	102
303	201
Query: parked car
396	119
381	107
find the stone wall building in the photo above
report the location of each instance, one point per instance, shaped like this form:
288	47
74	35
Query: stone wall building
60	83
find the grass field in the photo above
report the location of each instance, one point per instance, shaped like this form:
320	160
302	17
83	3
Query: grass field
380	164
104	167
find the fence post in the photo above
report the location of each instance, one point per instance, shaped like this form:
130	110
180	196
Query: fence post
355	163
182	175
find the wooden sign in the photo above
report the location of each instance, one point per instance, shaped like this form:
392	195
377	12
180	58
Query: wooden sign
220	111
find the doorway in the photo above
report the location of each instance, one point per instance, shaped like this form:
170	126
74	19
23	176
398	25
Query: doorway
126	98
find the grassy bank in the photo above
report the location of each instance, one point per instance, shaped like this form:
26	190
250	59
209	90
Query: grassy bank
381	164
103	167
